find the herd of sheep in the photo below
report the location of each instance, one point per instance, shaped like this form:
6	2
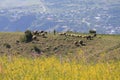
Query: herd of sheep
38	33
80	42
76	43
88	37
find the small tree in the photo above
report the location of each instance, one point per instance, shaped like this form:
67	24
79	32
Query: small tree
92	31
27	36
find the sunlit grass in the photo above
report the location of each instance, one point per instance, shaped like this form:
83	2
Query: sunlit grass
51	68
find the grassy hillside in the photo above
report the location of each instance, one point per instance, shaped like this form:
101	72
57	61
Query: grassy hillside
101	48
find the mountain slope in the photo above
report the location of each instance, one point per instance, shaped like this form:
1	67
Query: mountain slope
75	15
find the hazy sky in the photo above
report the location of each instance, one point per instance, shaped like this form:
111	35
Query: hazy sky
15	3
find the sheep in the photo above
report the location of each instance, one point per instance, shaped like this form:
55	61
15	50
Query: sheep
76	43
89	37
79	43
79	36
41	31
45	32
43	35
62	33
35	33
17	42
82	43
73	35
83	36
68	35
34	37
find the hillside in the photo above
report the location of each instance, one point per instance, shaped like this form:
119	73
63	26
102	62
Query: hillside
100	48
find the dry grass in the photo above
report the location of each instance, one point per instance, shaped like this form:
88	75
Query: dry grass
104	47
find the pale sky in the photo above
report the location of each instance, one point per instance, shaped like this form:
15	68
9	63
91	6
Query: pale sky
16	3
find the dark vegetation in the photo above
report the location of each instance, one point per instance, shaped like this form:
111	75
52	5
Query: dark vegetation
92	31
94	47
27	37
7	45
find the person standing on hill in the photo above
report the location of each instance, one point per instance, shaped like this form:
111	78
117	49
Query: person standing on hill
54	32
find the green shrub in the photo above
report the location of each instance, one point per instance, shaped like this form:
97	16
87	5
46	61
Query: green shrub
92	31
27	36
36	49
7	45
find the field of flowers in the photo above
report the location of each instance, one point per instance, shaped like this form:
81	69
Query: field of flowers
53	68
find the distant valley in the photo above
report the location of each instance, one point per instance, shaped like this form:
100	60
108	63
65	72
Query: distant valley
73	15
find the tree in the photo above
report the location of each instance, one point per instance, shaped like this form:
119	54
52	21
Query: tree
27	36
92	31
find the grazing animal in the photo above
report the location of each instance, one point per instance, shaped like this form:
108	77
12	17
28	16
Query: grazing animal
89	37
79	43
34	37
35	33
42	33
82	43
62	33
76	43
17	42
45	33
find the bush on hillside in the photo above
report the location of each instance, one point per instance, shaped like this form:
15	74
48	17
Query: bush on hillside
92	31
27	36
35	49
7	45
